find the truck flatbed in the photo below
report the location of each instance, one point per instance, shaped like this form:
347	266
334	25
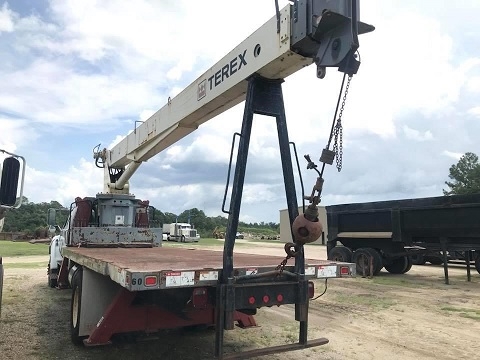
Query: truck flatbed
162	267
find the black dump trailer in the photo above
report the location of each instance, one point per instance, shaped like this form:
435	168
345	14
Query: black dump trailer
398	233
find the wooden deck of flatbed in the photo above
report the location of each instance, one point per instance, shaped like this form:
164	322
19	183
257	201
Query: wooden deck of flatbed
172	259
196	267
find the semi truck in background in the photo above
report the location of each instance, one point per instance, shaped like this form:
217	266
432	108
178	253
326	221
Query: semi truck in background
13	175
124	280
398	233
183	232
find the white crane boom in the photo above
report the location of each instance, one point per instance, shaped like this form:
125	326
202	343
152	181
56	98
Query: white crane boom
275	50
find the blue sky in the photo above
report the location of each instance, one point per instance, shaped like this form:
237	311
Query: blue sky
79	73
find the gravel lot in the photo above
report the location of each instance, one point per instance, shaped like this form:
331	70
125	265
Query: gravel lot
411	316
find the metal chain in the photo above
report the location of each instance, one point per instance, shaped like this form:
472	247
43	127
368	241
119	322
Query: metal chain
282	265
338	131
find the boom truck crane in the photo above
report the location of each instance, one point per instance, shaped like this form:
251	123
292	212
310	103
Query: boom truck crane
123	280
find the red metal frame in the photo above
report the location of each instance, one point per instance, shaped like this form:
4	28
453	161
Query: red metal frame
121	316
62	280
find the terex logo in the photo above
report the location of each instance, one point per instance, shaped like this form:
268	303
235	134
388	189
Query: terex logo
224	73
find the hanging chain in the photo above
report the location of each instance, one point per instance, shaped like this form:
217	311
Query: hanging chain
338	131
282	265
292	250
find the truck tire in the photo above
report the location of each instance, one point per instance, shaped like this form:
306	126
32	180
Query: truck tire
361	258
51	282
477	263
398	265
418	259
75	308
340	253
377	261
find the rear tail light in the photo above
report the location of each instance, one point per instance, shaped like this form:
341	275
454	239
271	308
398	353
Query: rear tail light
150	280
251	300
311	289
344	270
279	298
200	298
266	299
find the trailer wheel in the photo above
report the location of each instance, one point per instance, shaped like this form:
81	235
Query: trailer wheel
409	265
340	253
361	258
398	265
75	307
477	263
377	261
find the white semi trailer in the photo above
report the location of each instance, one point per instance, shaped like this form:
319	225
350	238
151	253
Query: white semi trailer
183	232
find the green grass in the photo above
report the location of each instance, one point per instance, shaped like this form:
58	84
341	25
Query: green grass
28	265
370	300
202	242
12	248
463	312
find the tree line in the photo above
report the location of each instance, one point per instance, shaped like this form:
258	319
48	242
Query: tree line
31	219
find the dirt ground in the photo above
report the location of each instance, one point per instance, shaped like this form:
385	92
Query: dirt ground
411	316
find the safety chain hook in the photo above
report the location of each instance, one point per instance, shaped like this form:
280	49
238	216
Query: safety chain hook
338	130
292	250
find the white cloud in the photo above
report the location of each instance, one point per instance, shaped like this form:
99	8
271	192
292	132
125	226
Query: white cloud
417	135
6	19
475	111
452	155
81	179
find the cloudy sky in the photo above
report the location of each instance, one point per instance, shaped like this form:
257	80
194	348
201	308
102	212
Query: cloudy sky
78	73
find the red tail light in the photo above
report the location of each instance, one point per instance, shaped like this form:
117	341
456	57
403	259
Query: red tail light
251	300
266	299
200	298
150	280
344	270
279	298
311	289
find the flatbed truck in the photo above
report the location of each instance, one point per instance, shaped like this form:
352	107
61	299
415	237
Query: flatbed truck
123	279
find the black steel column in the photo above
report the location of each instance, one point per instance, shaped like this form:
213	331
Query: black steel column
264	96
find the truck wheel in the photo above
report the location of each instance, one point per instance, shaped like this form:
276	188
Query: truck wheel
397	265
361	258
51	282
340	253
477	263
418	259
75	308
377	261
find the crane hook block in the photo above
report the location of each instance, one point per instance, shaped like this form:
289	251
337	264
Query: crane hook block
306	228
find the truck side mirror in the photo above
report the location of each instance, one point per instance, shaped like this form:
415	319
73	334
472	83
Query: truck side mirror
51	217
9	182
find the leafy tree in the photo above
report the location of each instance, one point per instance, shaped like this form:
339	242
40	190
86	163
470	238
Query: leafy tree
465	176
